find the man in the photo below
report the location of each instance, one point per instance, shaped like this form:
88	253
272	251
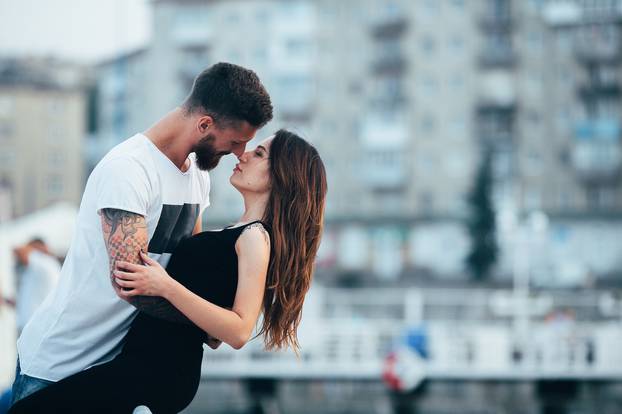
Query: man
146	194
40	275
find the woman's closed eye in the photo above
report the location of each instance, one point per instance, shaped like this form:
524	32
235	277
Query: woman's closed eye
260	152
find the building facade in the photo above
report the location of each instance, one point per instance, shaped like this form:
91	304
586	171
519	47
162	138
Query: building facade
42	126
404	98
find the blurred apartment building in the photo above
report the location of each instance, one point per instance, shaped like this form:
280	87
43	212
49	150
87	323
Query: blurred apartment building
421	89
42	125
274	38
402	99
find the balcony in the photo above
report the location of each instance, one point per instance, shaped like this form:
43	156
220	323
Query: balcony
384	139
495	125
597	153
388	23
393	64
593	90
388	102
497	57
496	21
590	50
496	91
389	27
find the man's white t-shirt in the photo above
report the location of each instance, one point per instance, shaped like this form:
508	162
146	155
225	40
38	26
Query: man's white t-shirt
39	278
82	322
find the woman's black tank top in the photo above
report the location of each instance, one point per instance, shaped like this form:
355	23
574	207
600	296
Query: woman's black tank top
206	264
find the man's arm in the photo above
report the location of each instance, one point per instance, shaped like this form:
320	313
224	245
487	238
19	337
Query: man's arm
198	226
125	235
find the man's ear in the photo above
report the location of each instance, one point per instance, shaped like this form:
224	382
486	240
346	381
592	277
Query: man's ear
204	123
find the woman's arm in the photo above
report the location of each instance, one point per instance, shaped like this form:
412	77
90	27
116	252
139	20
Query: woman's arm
233	326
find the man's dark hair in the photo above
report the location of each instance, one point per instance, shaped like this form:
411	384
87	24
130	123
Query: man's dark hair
37	240
230	93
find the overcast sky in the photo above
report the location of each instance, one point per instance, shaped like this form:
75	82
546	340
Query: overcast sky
82	30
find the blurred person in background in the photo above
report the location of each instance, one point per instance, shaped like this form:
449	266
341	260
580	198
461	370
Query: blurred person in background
221	281
146	195
38	272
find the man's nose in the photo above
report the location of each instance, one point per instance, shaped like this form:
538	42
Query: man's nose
238	150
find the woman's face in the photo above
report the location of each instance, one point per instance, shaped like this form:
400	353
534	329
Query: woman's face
252	173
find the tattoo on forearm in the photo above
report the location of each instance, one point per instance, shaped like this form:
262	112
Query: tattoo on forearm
126	235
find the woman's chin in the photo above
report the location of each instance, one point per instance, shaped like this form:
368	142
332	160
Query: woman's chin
233	182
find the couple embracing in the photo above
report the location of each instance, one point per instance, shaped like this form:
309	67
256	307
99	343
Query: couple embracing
143	288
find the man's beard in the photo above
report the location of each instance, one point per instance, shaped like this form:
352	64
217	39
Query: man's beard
206	156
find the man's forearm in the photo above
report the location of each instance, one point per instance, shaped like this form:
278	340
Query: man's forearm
125	235
160	308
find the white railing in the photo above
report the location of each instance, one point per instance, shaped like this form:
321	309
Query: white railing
469	335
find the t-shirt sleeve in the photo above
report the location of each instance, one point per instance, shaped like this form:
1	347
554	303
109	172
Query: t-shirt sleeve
206	184
123	185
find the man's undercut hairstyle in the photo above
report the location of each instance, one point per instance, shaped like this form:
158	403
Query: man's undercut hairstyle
230	94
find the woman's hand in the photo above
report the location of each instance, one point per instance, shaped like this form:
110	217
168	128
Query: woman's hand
149	279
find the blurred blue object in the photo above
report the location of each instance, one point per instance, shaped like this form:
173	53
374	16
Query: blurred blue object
598	129
417	339
5	400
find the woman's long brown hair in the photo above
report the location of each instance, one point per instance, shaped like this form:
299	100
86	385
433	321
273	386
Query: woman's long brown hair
295	214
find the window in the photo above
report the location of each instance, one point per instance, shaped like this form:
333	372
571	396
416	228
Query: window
456	164
456	82
459	4
498	43
533	199
431	6
262	15
428	44
427	124
429	85
7	158
232	17
56	107
6	130
6	106
426	200
55	185
297	47
56	158
533	164
456	42
55	133
458	128
260	54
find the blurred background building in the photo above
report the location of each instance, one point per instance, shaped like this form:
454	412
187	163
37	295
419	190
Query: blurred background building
42	126
405	100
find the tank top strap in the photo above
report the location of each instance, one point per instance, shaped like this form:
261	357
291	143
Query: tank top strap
253	223
241	229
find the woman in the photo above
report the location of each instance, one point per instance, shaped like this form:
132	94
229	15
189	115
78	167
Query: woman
261	265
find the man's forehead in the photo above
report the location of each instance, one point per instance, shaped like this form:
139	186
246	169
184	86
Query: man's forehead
246	132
